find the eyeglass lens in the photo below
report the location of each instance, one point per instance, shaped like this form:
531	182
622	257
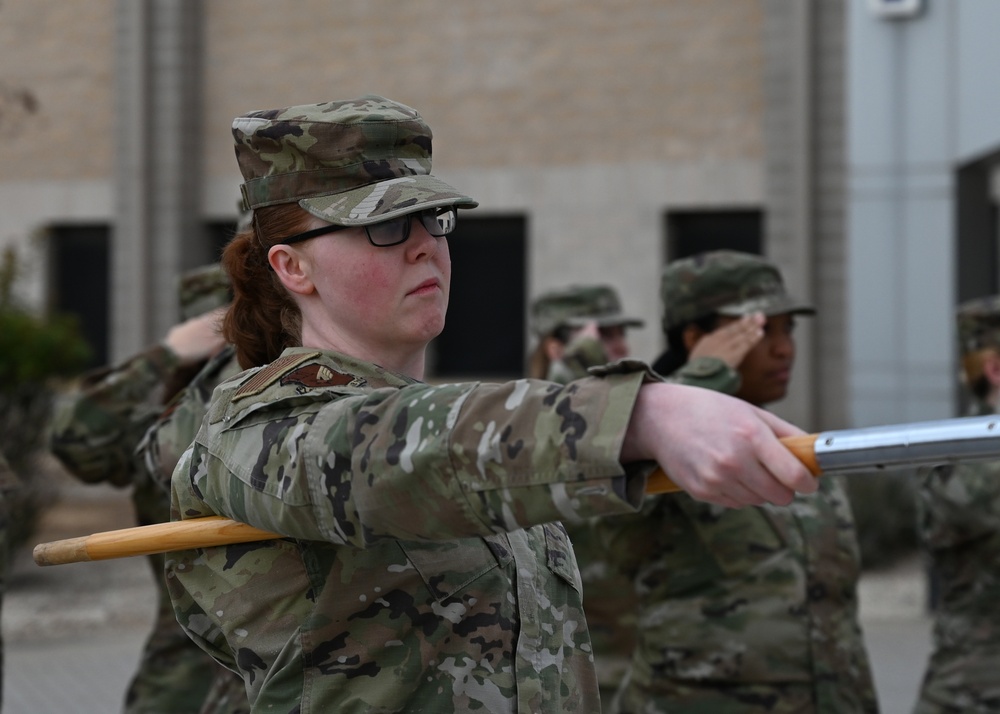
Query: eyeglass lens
438	222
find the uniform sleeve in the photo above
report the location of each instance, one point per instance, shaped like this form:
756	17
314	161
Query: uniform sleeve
708	373
96	428
170	435
633	540
172	432
959	503
419	463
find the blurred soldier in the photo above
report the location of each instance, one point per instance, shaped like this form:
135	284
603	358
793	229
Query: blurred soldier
8	483
160	450
579	327
576	328
95	432
753	610
960	528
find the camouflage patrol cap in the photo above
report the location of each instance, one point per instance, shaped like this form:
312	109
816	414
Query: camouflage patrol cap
203	289
351	163
979	323
576	305
723	282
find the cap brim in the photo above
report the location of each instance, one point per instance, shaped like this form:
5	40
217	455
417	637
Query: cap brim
606	321
384	200
769	305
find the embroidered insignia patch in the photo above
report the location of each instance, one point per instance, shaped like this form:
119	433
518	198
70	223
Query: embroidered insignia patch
319	375
274	371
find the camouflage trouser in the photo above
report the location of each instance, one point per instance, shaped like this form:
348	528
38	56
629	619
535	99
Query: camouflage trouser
961	683
174	674
680	697
228	695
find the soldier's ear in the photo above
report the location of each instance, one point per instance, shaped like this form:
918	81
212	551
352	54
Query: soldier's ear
554	348
991	368
291	266
691	334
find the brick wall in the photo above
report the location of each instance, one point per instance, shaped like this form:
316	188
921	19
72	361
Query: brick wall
517	83
62	53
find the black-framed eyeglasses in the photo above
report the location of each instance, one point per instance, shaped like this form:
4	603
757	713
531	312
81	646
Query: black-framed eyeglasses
436	221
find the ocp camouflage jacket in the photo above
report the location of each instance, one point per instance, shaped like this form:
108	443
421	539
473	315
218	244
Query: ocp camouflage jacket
423	569
746	611
959	510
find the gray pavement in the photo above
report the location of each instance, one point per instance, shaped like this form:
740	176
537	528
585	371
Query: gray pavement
73	632
897	632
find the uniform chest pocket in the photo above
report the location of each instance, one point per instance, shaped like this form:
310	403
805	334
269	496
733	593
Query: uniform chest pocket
448	567
738	540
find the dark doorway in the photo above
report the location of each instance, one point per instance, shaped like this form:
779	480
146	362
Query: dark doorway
219	233
691	232
484	334
977	259
79	282
977	254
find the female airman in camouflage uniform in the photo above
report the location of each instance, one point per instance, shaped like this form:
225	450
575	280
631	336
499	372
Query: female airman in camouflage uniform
422	569
960	528
747	611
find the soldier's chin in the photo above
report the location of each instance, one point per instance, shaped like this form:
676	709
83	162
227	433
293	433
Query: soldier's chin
769	395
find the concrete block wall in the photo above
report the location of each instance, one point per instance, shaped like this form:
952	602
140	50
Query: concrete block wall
57	153
590	118
804	134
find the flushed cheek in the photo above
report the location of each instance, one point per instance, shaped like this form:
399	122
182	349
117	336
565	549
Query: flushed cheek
366	284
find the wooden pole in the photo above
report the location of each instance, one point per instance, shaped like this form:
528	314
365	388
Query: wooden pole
216	530
146	540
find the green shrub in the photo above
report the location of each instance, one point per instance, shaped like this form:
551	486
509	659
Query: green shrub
33	349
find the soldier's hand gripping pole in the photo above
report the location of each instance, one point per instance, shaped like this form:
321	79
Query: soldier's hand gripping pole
928	443
850	450
800	446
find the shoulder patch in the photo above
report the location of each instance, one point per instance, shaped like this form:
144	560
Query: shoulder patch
319	375
272	372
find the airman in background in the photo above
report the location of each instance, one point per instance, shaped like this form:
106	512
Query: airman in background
95	432
959	511
160	450
575	328
749	611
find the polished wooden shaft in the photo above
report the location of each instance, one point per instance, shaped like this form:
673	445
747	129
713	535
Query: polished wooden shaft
216	530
